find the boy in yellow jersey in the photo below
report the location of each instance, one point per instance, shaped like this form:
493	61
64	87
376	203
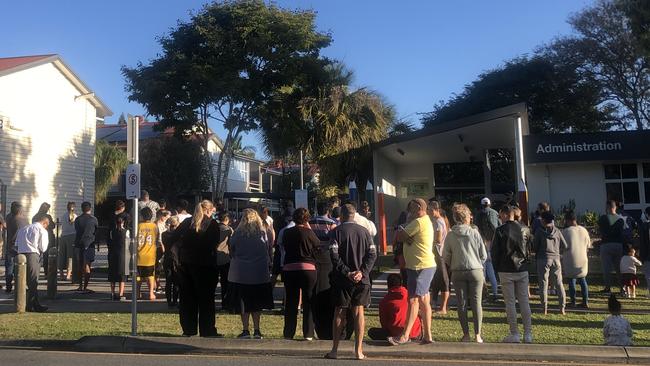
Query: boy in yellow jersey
147	239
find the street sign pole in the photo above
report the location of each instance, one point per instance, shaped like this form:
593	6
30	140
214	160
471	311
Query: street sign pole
133	192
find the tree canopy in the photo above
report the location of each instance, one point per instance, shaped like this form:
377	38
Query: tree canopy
558	98
595	79
172	166
226	64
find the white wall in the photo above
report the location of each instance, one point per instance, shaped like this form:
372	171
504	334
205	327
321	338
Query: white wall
49	155
238	173
559	183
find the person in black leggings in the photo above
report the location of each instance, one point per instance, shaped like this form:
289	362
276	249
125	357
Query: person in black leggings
299	273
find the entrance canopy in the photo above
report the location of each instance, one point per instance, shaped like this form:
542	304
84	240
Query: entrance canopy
404	165
462	140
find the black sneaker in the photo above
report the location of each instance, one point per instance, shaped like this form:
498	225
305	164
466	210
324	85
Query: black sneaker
244	335
257	334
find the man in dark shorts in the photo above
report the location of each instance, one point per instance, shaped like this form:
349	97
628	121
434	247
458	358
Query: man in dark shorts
85	227
353	255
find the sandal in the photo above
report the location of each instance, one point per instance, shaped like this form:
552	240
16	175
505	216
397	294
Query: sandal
396	341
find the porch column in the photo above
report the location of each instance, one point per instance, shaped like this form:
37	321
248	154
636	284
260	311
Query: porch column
522	191
487	173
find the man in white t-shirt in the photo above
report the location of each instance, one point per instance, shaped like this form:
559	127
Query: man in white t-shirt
440	283
363	221
182	207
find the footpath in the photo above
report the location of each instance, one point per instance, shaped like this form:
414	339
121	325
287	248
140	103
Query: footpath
471	352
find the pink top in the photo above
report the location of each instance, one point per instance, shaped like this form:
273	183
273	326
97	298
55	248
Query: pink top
299	266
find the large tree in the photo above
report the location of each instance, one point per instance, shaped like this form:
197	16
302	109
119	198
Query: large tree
638	14
227	62
172	166
559	99
605	49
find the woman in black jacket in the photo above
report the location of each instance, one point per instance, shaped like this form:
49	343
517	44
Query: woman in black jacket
299	273
197	272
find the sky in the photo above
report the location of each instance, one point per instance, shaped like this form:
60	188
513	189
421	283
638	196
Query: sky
413	52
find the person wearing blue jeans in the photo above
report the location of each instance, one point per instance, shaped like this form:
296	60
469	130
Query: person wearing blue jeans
584	289
10	261
490	274
575	262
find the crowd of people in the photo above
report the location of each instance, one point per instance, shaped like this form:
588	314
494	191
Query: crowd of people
325	260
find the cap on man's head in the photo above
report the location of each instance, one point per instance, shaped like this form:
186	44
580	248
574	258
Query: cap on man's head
144	193
548	216
485	201
422	203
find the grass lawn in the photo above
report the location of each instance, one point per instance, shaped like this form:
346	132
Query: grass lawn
569	329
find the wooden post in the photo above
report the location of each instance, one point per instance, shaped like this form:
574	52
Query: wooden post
52	272
21	283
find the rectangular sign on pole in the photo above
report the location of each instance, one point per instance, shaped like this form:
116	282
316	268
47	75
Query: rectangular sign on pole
133	181
132	138
301	198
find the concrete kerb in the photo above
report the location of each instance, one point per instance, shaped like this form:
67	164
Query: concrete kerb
436	351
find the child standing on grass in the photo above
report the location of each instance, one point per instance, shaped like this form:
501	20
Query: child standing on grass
147	239
628	272
617	330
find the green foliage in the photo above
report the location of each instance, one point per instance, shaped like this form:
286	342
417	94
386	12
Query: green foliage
400	128
558	98
228	63
110	162
173	166
327	192
638	14
247	150
605	49
590	219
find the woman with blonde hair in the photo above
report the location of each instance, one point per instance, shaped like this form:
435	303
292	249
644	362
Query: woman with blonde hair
464	253
249	274
197	271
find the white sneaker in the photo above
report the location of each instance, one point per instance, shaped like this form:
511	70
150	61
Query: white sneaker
528	338
512	338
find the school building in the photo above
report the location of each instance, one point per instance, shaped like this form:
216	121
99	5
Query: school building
493	154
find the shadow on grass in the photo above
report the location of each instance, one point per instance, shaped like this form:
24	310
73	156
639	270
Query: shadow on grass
561	323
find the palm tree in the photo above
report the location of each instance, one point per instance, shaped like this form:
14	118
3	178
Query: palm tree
339	120
110	162
248	150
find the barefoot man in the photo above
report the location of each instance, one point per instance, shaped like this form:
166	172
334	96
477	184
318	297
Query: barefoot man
353	255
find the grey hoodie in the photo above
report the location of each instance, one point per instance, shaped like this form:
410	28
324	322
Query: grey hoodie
464	249
549	243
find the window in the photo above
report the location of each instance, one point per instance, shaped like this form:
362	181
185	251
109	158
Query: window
628	183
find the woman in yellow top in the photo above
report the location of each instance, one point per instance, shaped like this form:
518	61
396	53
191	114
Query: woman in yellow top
417	237
147	239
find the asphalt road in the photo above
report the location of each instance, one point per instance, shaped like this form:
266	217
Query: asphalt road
17	357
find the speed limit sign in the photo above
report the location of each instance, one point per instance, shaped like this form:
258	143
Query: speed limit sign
133	181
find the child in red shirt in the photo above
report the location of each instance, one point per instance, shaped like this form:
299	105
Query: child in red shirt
392	312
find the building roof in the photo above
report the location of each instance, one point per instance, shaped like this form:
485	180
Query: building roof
117	133
461	140
10	65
